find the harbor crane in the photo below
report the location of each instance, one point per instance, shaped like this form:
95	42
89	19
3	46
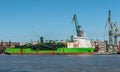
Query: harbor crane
116	31
116	34
110	31
110	46
78	31
113	34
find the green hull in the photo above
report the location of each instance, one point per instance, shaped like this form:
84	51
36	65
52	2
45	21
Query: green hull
59	50
75	50
26	50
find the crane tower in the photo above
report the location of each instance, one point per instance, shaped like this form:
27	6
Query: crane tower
78	31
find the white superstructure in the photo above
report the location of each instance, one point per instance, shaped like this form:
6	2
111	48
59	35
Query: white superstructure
79	42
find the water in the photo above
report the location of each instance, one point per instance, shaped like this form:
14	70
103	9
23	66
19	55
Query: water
59	63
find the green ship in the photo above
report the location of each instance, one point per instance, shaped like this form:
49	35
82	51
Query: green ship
79	44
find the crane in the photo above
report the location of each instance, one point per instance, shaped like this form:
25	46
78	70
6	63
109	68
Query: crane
41	38
110	29
78	31
110	46
116	34
113	34
116	31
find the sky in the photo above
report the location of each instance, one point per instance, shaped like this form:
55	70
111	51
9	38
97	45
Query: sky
26	20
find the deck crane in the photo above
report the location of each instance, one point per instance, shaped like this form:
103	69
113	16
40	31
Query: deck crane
78	31
41	38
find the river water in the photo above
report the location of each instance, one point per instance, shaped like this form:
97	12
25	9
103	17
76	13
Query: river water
59	63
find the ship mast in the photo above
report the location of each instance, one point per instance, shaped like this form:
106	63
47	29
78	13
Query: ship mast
78	31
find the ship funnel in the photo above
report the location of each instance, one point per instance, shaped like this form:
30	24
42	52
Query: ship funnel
41	40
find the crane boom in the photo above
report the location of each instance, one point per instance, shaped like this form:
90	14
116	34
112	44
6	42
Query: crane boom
36	34
41	38
116	28
78	31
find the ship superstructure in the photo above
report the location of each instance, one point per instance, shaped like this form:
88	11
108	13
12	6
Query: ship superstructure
80	40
